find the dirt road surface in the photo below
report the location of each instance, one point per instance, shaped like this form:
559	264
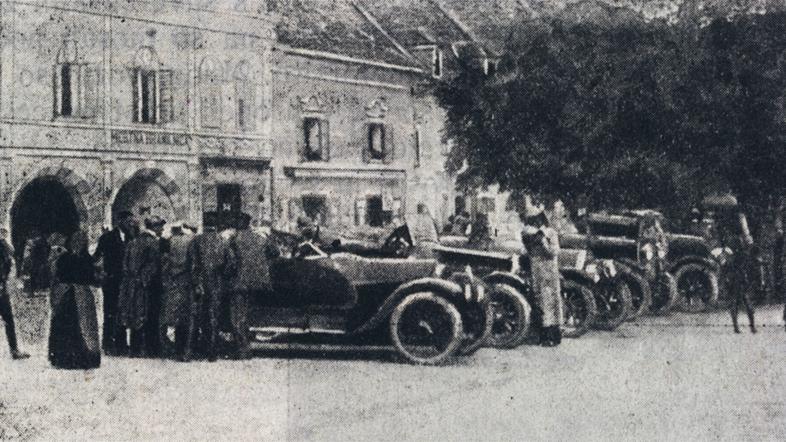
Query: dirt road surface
682	377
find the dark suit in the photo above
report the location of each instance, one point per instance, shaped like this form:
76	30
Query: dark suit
5	302
140	292
111	250
212	265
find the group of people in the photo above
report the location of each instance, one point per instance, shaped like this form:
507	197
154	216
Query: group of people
163	295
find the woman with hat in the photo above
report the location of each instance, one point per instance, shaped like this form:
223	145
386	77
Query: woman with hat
73	335
542	244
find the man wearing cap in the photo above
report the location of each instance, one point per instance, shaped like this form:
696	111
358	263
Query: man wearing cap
542	244
140	289
111	250
6	314
212	264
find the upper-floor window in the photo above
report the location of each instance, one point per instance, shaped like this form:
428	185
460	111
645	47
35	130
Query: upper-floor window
152	89
315	139
210	78
378	143
244	98
75	84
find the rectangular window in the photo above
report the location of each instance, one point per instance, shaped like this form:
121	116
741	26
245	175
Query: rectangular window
376	141
315	139
76	90
66	95
228	198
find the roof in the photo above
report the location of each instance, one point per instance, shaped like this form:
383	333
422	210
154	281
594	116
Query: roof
338	27
415	22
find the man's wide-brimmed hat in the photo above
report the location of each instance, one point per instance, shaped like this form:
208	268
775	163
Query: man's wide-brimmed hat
154	222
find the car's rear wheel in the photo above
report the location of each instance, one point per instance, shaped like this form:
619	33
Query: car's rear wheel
426	329
664	294
578	309
698	287
478	319
511	317
640	294
614	304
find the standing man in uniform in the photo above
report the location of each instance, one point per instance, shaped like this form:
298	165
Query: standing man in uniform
6	261
140	289
542	244
111	250
252	278
212	265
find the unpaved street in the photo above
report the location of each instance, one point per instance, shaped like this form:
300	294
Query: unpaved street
676	378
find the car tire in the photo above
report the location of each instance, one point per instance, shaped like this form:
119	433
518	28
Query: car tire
578	309
425	319
478	319
698	287
511	317
612	312
640	294
664	294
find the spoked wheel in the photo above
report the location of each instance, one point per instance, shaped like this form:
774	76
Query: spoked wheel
478	321
578	309
426	328
698	288
614	304
640	294
511	317
664	294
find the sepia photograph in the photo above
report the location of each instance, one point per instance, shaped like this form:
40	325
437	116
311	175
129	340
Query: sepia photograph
392	220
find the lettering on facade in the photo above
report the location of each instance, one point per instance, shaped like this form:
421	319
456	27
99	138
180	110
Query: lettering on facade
140	137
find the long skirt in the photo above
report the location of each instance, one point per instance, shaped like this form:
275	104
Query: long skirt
73	333
546	288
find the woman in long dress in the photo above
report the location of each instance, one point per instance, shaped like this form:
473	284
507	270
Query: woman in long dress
73	335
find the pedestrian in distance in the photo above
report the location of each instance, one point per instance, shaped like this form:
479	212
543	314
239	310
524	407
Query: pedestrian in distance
6	313
110	253
140	289
73	331
212	265
542	245
177	303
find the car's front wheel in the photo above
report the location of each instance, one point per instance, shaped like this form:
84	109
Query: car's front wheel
511	317
613	301
478	320
698	287
578	309
664	294
426	328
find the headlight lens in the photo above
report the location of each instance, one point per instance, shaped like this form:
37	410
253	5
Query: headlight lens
647	252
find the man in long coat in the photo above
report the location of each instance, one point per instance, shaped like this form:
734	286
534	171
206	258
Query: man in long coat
6	314
212	265
252	278
140	289
177	301
111	251
542	243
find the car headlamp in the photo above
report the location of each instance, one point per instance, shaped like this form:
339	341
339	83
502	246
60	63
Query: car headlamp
648	252
661	253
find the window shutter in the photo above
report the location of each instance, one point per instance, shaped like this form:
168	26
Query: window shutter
88	78
366	145
136	81
389	148
57	90
166	109
324	133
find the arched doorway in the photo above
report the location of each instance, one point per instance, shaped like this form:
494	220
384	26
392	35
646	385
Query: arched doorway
148	192
43	206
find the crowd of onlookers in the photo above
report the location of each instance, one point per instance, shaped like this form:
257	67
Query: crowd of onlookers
168	291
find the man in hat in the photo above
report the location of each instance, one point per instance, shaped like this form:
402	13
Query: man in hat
542	244
140	289
111	250
252	278
6	314
212	264
177	298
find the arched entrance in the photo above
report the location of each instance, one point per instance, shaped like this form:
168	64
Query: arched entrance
148	192
44	206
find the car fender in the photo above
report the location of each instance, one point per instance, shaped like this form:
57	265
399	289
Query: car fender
450	290
579	276
517	282
693	259
630	266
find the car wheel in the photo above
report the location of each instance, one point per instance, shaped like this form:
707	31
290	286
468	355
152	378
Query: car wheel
578	309
478	319
614	304
698	287
511	317
664	294
426	328
640	294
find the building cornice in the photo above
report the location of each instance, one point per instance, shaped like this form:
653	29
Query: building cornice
324	55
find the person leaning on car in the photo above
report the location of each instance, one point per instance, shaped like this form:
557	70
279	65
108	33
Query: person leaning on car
252	278
542	244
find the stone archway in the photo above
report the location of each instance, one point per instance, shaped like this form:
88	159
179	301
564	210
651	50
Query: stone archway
51	201
149	192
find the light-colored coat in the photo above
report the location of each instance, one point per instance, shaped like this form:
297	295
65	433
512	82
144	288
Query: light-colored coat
546	277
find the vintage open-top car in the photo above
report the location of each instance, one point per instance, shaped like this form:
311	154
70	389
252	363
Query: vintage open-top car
345	299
